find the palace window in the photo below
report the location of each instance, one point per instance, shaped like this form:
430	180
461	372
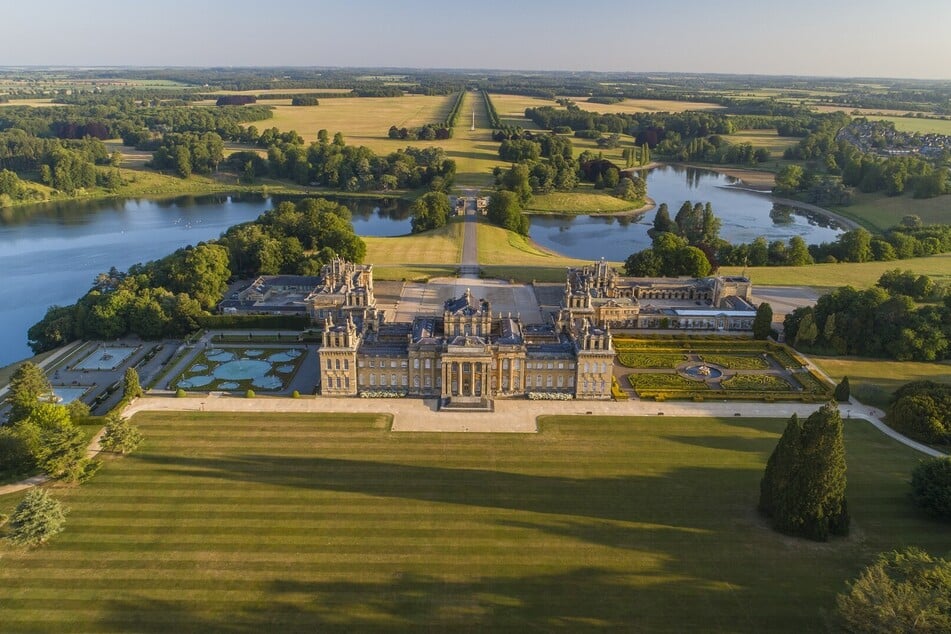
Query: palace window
561	381
550	382
403	363
346	364
518	364
372	363
372	379
393	380
427	363
360	363
338	382
416	365
338	363
383	379
505	364
551	365
571	381
330	364
528	380
393	363
405	379
561	365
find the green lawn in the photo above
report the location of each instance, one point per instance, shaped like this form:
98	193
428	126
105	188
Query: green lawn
439	246
246	523
874	380
921	125
582	201
859	275
879	212
507	255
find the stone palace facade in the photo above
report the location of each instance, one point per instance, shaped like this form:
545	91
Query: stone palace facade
465	354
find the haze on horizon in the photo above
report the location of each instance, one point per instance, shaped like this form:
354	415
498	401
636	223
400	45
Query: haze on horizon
820	38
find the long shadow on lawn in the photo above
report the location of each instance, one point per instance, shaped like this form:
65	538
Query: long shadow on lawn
582	599
658	499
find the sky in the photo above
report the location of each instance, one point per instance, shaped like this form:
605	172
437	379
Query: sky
844	38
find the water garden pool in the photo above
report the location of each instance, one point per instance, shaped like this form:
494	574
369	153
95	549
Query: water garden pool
105	358
66	395
236	368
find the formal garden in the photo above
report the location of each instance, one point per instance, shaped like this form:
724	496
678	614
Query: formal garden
717	368
234	369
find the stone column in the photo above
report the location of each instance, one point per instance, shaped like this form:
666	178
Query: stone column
499	377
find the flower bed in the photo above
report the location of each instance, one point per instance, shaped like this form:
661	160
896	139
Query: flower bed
736	361
665	382
811	383
550	396
650	360
383	394
757	383
616	391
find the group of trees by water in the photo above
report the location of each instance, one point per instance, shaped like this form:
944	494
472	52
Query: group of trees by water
546	163
63	164
170	296
699	227
336	165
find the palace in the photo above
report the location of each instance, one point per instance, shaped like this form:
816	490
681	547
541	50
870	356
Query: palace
466	355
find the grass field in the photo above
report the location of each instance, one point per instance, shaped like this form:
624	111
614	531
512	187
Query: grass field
914	124
518	257
440	246
366	121
768	139
874	380
363	120
577	202
859	275
642	105
880	212
240	523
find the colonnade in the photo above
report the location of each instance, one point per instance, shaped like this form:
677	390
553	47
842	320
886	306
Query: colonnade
465	378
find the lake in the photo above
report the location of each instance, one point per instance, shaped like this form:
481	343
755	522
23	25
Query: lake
745	215
50	254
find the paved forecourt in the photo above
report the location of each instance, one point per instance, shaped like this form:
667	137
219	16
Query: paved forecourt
510	416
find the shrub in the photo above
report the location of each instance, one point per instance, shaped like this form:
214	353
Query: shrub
931	487
756	382
180	393
295	394
842	391
249	394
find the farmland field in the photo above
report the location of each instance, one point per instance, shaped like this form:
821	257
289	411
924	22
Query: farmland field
881	212
366	121
914	124
244	522
633	106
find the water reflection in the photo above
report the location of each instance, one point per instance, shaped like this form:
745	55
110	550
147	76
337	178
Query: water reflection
51	253
745	216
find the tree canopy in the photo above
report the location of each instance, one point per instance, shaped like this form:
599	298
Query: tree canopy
430	211
803	488
902	591
37	518
27	386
